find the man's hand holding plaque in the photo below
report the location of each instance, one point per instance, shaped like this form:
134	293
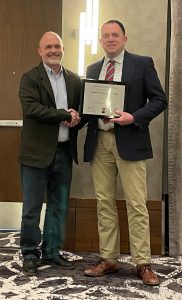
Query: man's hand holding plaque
123	118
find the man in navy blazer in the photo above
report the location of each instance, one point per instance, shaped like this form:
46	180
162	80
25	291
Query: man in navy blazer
50	96
122	145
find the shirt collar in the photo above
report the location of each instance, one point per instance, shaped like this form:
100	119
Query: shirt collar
50	71
118	59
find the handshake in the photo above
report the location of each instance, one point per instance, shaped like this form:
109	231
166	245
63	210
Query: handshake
75	118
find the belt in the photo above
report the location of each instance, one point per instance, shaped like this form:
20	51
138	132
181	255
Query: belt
111	130
62	144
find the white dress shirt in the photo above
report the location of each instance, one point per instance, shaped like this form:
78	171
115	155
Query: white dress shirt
117	77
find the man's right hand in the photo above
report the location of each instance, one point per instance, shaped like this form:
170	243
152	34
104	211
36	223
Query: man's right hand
75	118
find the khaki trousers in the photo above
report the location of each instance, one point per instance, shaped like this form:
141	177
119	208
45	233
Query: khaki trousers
105	166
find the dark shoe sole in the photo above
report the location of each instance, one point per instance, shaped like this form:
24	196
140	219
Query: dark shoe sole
151	284
29	273
48	262
99	275
147	283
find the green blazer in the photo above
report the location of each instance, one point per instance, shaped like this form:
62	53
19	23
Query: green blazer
41	118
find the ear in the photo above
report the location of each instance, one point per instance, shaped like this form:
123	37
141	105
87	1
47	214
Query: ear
125	39
39	51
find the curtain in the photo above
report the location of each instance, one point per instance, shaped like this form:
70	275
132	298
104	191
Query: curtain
175	131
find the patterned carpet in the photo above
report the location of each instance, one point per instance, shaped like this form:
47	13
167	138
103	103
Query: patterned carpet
53	283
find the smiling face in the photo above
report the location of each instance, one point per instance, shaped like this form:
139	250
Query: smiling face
51	50
113	39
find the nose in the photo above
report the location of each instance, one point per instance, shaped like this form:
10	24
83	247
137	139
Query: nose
110	37
53	49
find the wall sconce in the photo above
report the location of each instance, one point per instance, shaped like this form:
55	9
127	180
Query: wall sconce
88	32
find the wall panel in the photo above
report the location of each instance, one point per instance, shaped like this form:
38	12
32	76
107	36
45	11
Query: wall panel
22	23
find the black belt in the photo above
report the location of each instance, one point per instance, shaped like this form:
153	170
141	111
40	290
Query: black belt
111	130
62	144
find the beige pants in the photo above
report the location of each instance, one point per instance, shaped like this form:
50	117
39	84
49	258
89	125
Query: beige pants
105	166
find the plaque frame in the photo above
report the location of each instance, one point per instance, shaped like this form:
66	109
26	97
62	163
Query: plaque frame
108	96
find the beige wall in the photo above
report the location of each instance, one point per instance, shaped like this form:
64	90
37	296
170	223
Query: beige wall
146	24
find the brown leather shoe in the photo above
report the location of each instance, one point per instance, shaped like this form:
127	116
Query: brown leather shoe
147	275
102	268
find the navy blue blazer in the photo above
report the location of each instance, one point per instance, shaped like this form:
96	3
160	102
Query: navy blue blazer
144	99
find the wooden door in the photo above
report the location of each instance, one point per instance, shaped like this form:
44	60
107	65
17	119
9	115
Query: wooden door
22	23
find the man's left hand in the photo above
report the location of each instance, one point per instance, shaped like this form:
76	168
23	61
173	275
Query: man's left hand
123	119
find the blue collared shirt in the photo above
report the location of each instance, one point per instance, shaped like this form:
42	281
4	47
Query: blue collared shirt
60	94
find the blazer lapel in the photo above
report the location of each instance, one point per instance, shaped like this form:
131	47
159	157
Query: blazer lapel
128	69
45	81
127	74
95	70
69	80
98	69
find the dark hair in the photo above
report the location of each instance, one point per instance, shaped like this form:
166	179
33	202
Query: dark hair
117	22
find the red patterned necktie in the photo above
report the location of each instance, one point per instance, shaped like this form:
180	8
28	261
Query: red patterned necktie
110	71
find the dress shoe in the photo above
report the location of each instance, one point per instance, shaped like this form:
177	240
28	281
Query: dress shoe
147	275
58	261
102	268
30	266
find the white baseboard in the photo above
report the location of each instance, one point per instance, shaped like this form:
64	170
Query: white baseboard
10	215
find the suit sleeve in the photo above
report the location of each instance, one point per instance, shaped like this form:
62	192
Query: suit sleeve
156	98
36	103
